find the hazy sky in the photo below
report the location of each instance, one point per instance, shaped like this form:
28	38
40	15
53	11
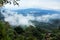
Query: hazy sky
46	4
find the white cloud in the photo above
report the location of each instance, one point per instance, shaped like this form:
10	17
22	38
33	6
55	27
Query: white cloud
46	18
17	19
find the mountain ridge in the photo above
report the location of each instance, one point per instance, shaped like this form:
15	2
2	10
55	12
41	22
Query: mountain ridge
36	12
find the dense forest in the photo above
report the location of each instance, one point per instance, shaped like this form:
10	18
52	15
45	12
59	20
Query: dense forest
8	32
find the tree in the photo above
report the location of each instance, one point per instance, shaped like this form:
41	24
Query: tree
19	30
6	32
2	2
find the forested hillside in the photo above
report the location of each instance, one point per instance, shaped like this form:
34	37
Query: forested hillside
8	32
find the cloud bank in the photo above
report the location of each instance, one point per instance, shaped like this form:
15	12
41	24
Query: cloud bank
16	19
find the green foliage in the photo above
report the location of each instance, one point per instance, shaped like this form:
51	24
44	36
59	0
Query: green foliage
2	2
19	30
7	32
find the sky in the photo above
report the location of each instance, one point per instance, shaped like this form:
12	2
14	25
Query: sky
42	4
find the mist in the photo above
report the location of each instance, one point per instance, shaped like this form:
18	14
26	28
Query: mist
16	19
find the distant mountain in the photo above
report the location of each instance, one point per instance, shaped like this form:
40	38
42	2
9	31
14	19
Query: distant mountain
35	12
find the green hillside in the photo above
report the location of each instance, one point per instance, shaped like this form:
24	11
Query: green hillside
7	32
